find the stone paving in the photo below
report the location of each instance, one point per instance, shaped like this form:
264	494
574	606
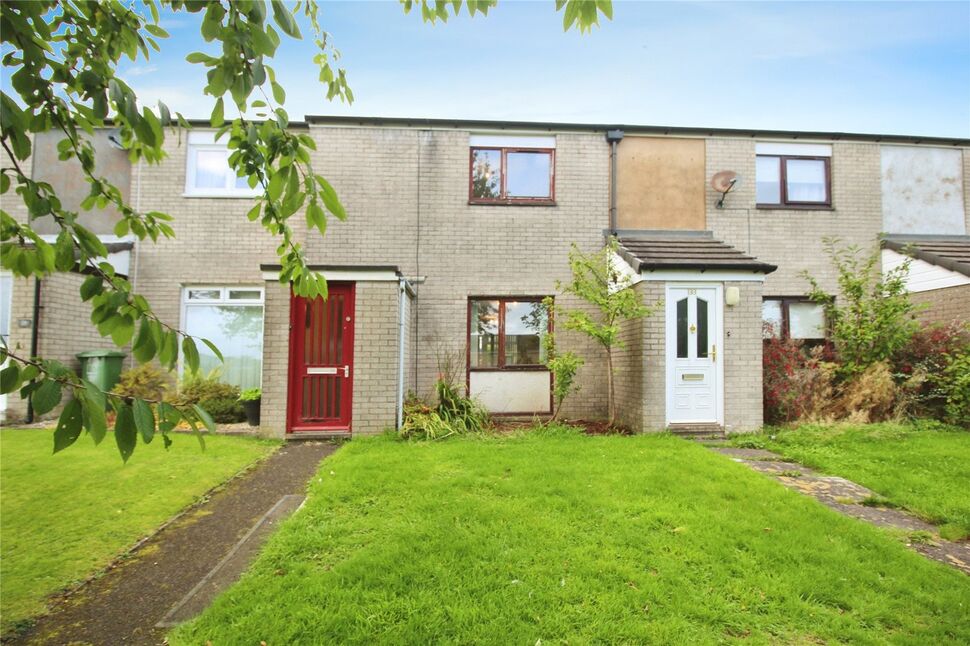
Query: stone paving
854	500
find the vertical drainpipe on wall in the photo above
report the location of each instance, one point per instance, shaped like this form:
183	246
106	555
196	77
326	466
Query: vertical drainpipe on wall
34	342
614	137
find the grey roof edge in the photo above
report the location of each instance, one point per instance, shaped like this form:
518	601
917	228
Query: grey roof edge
907	245
553	126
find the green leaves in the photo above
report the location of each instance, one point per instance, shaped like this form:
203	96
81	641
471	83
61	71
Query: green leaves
46	397
218	114
191	354
126	436
144	420
68	426
284	19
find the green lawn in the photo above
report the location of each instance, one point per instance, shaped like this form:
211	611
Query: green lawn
924	468
66	515
574	539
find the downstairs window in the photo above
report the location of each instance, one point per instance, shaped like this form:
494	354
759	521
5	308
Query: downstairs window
232	318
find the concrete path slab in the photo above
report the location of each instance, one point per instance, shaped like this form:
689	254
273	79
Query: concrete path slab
125	605
847	497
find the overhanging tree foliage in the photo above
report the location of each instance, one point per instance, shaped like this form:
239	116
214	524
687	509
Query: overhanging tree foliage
62	59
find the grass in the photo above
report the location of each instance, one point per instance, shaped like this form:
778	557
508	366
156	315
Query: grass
924	467
571	539
65	516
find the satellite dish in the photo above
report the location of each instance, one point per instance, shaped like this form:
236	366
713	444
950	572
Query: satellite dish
723	182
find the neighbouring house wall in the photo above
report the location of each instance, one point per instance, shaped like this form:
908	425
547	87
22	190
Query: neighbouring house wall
397	181
944	305
660	183
922	190
70	183
743	346
793	238
65	328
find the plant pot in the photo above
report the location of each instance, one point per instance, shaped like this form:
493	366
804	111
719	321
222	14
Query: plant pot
252	411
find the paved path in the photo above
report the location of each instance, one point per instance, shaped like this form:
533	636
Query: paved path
847	497
124	605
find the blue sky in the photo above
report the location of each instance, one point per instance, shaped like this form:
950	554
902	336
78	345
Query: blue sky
883	67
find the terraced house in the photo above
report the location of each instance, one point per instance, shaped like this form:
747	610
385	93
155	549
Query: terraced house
458	229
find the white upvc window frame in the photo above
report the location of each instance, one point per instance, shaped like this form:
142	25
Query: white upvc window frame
205	141
223	299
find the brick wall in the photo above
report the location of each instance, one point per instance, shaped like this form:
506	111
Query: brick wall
65	329
743	345
790	238
944	305
641	366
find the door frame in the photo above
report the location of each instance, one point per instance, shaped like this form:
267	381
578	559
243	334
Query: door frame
670	348
294	358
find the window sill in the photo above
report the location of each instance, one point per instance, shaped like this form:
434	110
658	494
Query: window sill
794	207
210	195
512	203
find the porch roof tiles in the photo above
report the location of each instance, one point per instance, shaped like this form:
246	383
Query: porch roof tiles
949	252
693	250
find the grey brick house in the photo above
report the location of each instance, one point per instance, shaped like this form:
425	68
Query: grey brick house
458	229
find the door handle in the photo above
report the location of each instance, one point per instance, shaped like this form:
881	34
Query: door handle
714	353
346	372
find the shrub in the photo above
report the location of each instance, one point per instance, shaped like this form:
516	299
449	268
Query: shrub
869	396
797	383
873	318
250	395
563	366
455	414
220	400
956	389
146	381
920	367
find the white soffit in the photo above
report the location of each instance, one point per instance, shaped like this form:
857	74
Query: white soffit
797	150
923	276
512	141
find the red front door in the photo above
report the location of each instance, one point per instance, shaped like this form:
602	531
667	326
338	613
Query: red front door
322	361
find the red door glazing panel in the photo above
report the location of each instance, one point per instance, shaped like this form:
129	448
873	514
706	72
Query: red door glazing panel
322	361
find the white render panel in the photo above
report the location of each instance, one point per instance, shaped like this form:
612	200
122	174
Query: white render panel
512	141
509	391
799	150
923	276
922	190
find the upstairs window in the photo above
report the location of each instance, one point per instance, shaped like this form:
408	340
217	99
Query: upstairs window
512	170
793	175
207	171
507	333
794	318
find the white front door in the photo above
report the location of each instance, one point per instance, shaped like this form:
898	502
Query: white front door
693	340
